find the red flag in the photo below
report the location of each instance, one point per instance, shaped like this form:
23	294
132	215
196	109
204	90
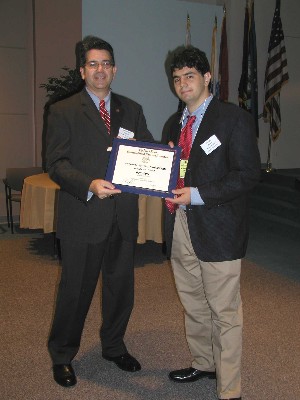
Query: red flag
214	62
223	62
188	31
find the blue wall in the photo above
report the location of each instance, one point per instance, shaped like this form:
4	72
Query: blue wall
142	32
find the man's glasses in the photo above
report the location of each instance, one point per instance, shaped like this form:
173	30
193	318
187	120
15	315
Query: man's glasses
95	64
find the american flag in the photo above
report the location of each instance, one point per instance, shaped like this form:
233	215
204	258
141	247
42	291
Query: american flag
276	75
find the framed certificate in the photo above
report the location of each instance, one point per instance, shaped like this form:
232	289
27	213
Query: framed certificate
143	168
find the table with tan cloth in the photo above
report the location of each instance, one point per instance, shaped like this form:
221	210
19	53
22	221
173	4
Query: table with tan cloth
39	203
150	219
39	209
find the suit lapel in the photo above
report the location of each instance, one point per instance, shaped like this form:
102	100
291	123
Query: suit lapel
116	115
91	112
175	129
207	127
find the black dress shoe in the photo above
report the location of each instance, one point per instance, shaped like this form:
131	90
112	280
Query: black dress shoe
236	398
64	375
125	362
190	375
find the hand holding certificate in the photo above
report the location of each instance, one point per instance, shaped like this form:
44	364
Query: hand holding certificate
143	168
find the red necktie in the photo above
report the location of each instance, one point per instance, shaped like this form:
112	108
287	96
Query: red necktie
185	142
104	115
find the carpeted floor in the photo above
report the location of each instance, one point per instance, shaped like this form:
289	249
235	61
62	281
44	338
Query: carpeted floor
29	274
275	247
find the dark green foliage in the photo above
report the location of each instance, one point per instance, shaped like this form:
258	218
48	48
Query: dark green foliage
64	86
58	89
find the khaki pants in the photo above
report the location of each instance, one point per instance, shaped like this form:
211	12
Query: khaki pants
210	295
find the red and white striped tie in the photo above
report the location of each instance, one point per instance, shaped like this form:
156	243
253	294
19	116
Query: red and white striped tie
185	142
105	115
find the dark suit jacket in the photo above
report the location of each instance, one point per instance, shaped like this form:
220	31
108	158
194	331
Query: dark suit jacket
224	178
76	153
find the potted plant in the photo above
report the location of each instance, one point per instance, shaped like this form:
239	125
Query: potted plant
64	86
58	89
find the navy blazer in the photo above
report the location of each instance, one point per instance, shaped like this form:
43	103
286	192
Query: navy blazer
77	152
225	177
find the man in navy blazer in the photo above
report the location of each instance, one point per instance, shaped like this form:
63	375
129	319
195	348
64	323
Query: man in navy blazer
97	224
207	234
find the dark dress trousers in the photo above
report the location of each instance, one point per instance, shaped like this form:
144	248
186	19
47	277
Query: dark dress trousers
95	234
224	178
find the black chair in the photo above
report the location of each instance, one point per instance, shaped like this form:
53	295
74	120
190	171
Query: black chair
13	188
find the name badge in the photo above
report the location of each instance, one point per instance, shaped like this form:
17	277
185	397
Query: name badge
125	134
210	144
182	168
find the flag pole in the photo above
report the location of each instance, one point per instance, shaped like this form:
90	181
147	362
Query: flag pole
269	164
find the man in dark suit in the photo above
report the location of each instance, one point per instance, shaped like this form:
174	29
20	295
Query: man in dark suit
97	224
209	229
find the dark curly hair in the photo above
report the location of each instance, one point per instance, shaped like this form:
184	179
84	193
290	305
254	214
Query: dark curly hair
190	57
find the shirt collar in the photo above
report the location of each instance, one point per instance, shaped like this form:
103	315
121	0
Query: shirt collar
97	101
198	112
